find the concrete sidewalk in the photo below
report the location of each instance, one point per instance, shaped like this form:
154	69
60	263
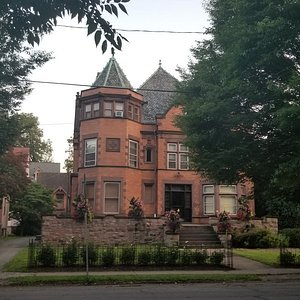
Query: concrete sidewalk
241	265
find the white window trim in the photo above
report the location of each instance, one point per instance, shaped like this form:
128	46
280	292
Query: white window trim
168	161
204	206
172	144
136	155
208	185
187	161
85	153
227	193
182	145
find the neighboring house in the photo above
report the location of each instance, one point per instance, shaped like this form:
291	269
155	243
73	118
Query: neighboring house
48	174
127	145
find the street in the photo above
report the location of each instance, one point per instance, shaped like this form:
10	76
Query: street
246	291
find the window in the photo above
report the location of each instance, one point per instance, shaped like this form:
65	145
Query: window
208	200
90	152
92	110
111	197
130	111
148	197
136	115
133	154
228	198
108	109
149	155
177	157
113	145
119	107
90	193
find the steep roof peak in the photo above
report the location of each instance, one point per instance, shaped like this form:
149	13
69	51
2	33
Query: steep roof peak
112	75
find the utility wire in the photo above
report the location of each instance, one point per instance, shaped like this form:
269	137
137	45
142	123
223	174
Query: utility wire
139	30
94	86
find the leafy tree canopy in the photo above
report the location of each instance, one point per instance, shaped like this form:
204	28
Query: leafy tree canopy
31	19
242	104
31	136
68	165
29	209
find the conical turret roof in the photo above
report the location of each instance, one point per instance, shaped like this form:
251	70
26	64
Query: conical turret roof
112	75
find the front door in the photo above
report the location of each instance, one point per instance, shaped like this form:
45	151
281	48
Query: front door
179	196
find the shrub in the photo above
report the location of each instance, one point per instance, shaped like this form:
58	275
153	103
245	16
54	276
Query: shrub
172	256
92	254
256	238
216	258
144	257
108	257
159	255
46	256
127	256
187	257
293	234
200	256
70	254
287	258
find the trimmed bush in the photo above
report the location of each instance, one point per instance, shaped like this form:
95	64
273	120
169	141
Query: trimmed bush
256	238
187	257
293	234
144	257
159	255
108	257
216	258
70	254
46	256
172	256
127	256
200	257
287	258
92	254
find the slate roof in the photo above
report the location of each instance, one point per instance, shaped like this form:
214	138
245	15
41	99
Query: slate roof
158	94
43	167
54	180
112	75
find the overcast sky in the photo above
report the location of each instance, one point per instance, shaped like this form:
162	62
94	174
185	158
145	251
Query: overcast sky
77	60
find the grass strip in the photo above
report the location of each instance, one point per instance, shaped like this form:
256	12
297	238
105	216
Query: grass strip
129	279
265	256
18	263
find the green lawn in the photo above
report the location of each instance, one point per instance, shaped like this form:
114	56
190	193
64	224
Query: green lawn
266	256
18	263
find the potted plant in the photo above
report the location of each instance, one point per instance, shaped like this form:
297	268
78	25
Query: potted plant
173	221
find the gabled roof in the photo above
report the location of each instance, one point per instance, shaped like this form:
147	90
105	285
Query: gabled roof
158	91
53	181
112	76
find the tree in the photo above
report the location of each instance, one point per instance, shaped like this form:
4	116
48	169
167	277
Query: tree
242	102
29	209
31	136
32	19
70	159
13	178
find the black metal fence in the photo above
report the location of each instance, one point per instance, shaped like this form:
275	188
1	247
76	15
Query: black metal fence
74	255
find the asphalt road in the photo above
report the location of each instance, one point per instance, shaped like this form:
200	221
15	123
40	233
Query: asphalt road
9	248
247	291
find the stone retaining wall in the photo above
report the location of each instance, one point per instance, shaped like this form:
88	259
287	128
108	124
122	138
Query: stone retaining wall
107	230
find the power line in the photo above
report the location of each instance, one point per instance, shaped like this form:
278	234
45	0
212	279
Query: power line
94	86
139	30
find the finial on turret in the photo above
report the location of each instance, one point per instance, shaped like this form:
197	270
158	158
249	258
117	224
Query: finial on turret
159	63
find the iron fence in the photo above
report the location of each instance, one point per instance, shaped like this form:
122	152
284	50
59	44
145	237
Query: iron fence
74	255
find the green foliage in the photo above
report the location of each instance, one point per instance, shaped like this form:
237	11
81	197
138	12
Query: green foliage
70	254
187	257
108	257
172	256
144	257
216	258
135	209
29	208
159	255
13	178
256	238
92	254
127	256
293	235
241	110
68	163
35	18
46	256
200	256
31	136
287	258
